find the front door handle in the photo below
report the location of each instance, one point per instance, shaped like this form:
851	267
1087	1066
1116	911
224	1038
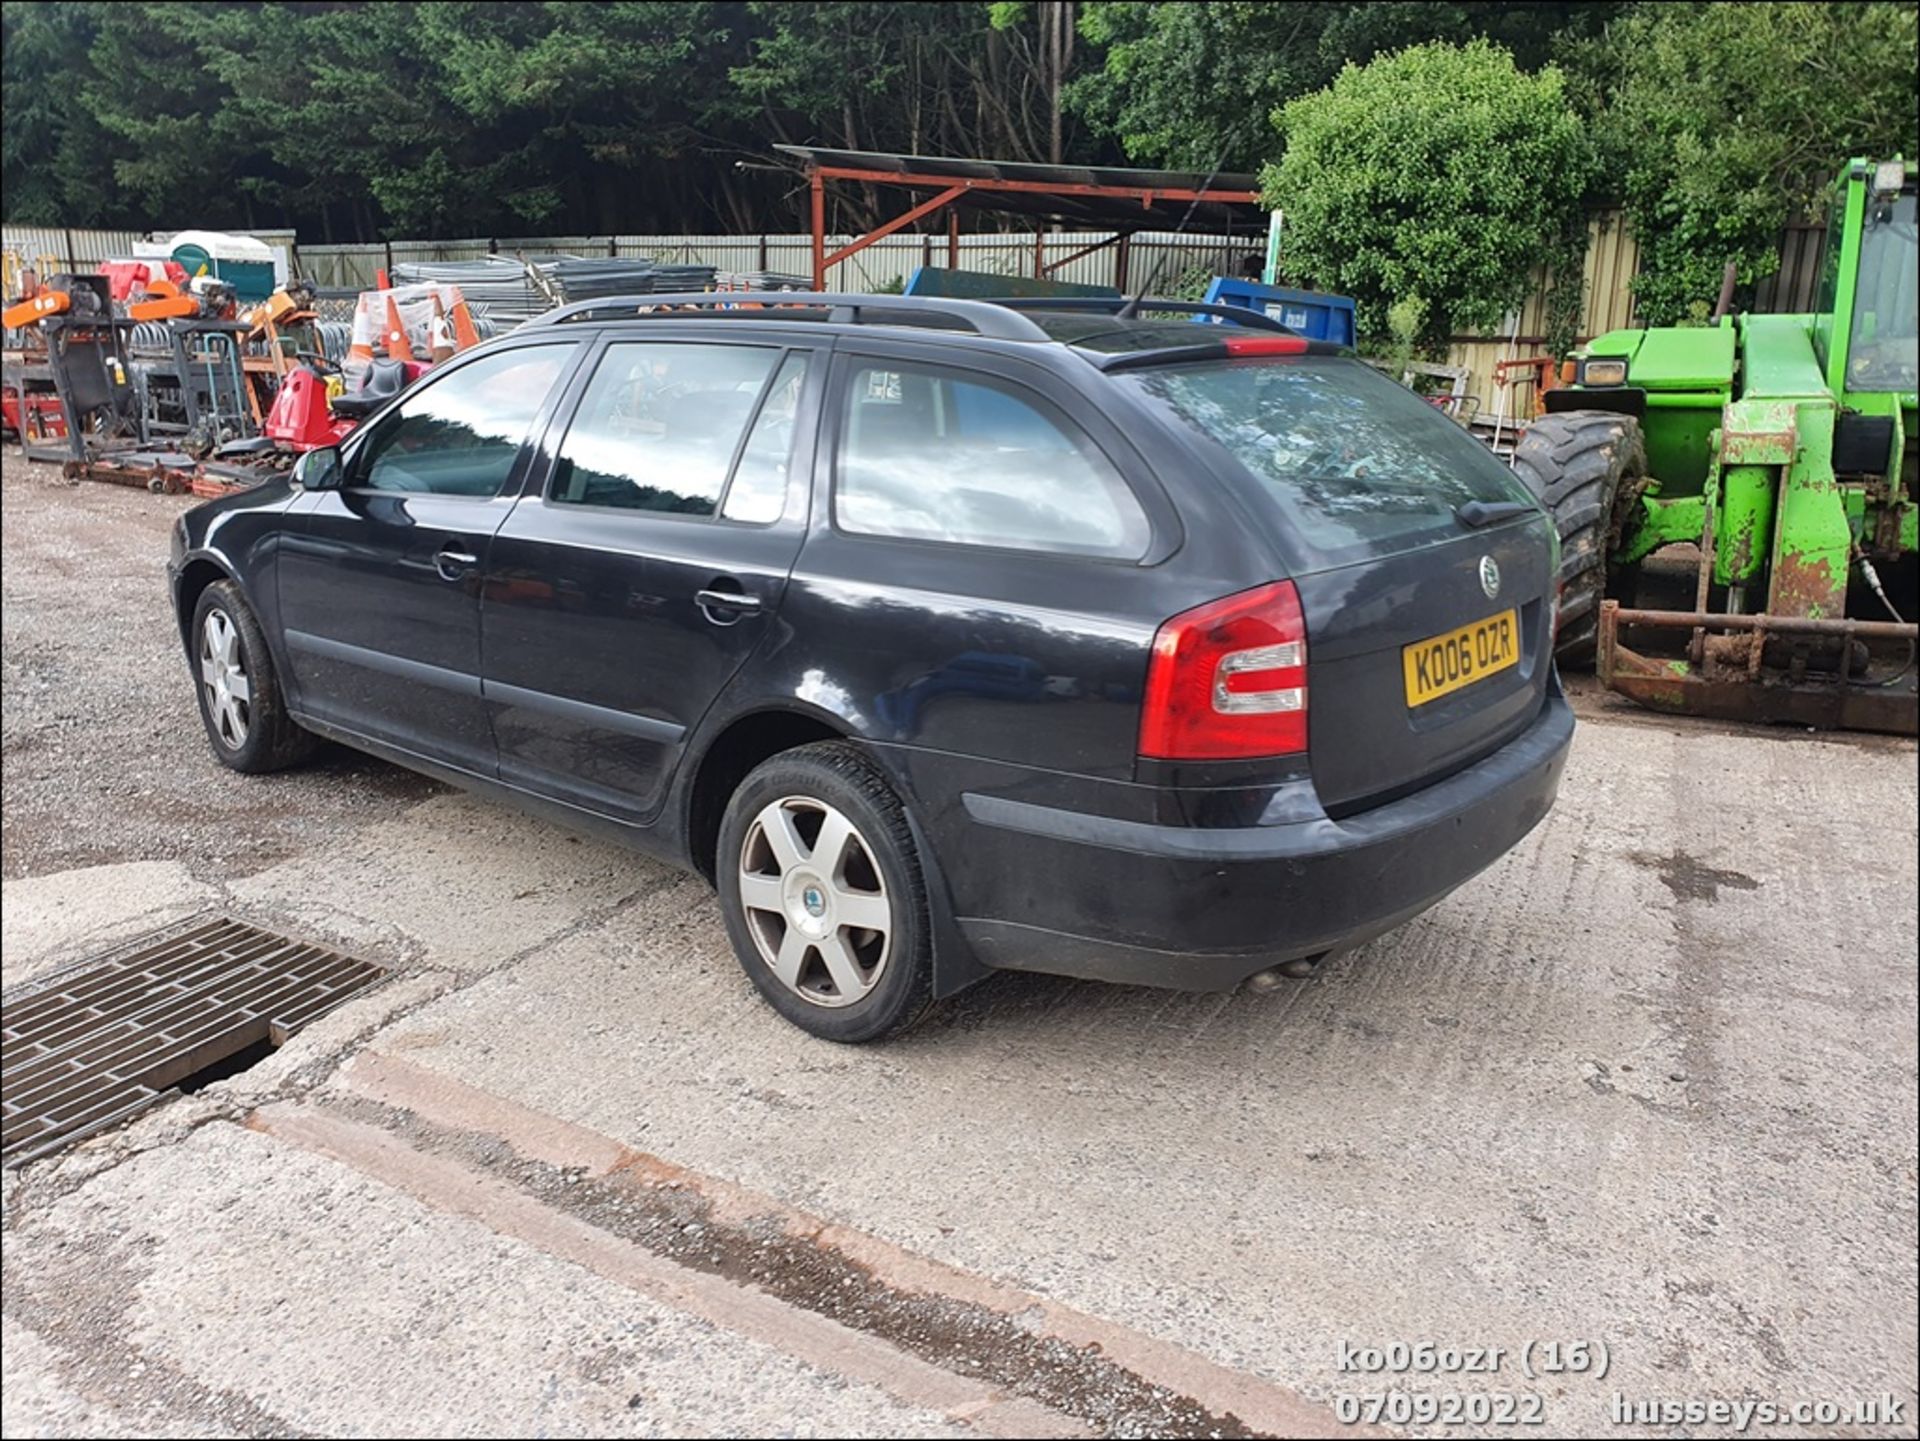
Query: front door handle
454	564
726	607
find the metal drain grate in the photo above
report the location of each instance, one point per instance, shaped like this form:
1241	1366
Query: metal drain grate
107	1039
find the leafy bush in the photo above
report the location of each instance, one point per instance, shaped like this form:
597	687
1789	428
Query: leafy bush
1406	322
1191	283
1441	171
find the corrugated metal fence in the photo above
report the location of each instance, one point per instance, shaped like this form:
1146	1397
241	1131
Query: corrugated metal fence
51	248
1795	288
1157	261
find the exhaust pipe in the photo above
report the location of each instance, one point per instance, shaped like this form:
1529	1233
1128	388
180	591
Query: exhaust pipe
1274	977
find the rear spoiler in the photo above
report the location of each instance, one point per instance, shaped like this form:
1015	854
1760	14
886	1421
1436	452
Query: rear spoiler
1232	347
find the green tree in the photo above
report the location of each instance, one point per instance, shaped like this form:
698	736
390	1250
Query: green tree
1040	35
1191	85
1718	123
922	77
448	118
859	74
56	158
553	95
1442	172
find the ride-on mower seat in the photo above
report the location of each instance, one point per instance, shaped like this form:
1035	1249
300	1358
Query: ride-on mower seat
383	380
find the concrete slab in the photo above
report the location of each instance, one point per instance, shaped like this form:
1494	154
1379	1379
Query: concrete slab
46	921
1597	1095
239	1283
455	881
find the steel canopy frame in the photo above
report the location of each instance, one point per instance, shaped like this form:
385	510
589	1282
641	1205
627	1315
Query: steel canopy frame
951	188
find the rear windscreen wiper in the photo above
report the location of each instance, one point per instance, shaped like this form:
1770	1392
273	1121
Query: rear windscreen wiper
1477	513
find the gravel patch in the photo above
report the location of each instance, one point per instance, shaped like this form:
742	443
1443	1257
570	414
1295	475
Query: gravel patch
104	757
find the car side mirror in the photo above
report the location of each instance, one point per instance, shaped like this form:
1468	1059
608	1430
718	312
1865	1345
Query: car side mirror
319	469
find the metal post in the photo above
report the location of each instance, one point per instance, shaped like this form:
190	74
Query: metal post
1040	253
1270	270
819	232
953	240
1124	252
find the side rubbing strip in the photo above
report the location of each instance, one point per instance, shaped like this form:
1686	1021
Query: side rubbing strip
413	670
581	713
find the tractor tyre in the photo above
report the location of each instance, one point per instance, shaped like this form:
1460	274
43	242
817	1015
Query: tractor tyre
1586	467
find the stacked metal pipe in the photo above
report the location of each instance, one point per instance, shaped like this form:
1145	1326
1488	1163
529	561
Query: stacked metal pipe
761	280
501	289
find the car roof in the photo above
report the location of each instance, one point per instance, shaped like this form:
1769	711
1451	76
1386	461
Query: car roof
1112	332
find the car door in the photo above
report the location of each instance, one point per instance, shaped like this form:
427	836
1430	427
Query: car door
379	580
624	593
978	574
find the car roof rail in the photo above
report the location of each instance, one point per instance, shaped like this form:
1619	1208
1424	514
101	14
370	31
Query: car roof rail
984	317
1113	304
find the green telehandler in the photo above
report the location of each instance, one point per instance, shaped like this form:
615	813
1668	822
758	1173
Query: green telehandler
1783	448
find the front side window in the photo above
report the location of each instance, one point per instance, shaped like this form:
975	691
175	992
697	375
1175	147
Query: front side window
659	424
461	432
926	454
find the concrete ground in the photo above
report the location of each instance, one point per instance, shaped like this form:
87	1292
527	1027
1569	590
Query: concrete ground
1649	1084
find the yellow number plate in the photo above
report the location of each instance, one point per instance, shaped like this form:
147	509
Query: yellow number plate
1443	664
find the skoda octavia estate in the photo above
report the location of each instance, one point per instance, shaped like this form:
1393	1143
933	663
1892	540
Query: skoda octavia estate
1146	642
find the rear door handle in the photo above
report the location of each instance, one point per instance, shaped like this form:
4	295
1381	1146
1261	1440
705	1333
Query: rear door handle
726	607
454	564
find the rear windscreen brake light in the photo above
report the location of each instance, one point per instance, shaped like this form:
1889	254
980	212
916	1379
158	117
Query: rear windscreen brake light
1228	680
1240	345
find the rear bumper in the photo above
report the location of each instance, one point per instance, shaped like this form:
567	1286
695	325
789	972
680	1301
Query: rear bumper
1196	908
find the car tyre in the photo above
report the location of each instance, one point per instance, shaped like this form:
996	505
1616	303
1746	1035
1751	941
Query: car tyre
824	899
241	703
1586	467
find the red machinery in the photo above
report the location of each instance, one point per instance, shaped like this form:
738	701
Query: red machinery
301	418
127	278
308	412
311	404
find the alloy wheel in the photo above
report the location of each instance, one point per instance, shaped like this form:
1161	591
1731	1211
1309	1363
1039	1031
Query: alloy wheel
815	900
224	680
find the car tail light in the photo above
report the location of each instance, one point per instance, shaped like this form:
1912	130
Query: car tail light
1238	345
1228	680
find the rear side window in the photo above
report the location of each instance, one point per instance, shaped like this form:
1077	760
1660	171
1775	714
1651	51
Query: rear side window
659	424
930	454
758	493
1360	466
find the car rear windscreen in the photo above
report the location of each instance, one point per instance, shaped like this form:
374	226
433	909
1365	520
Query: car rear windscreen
1360	466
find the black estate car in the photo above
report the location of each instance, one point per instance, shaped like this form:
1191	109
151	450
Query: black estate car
1148	643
